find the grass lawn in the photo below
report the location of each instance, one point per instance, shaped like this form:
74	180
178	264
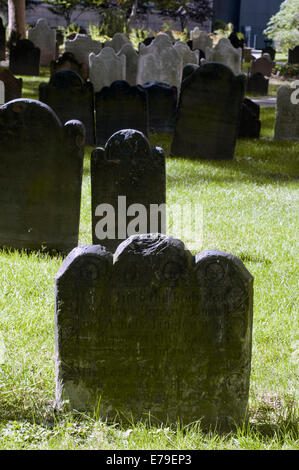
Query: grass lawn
250	209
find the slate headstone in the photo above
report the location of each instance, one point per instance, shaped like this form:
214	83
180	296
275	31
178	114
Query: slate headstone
263	66
13	85
287	114
106	68
24	58
257	84
126	174
2	40
162	103
293	57
41	171
250	124
71	98
154	330
208	113
44	38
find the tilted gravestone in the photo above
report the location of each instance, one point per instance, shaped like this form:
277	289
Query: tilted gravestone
287	114
24	58
131	63
154	330
208	113
257	84
71	98
106	67
162	103
224	53
81	46
293	57
263	66
44	38
13	85
2	40
250	124
41	171
127	177
120	106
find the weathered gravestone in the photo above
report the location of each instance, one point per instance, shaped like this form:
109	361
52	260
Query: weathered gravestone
154	330
287	114
118	41
71	98
209	112
294	55
2	93
127	177
44	38
162	103
262	65
24	58
257	84
250	124
120	106
188	56
106	67
13	85
2	40
224	53
200	39
131	63
81	46
41	171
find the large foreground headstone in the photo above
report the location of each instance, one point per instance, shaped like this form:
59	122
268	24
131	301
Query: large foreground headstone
287	114
41	171
162	103
154	330
24	58
120	106
208	113
71	98
127	177
44	38
13	85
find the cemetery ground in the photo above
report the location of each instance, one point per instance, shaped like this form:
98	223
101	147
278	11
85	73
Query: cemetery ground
250	210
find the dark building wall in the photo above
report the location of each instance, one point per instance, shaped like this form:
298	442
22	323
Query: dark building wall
227	11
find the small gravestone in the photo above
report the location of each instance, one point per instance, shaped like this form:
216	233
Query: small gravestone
68	62
131	62
271	51
41	171
118	41
262	65
257	84
2	93
106	67
250	124
13	85
81	46
44	38
162	103
208	113
224	53
154	331
120	106
127	179
71	98
2	40
24	58
294	55
287	114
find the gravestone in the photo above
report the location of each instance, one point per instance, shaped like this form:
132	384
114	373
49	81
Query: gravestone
24	58
68	62
200	39
128	176
118	41
263	66
271	51
147	41
287	114
106	67
236	41
131	63
188	57
71	98
224	53
257	84
2	93
2	40
13	85
250	124
41	171
294	55
154	330
81	46
43	37
208	113
162	103
120	106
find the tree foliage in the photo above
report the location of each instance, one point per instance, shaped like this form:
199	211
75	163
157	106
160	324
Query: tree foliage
283	27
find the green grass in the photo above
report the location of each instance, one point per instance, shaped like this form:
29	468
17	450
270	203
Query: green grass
250	209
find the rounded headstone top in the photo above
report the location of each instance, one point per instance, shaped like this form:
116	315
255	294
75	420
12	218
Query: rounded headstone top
66	79
127	143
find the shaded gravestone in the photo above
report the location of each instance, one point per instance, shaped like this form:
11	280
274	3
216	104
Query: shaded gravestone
68	62
257	84
24	58
120	106
236	41
81	46
162	103
118	41
250	124
287	114
271	51
208	113
13	85
224	53
43	37
263	66
154	330
106	68
293	57
128	176
41	171
2	93
71	98
131	63
2	40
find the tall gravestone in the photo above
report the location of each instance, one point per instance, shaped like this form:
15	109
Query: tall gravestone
162	103
257	84
71	98
120	106
106	67
293	57
2	41
13	85
287	114
24	58
250	124
154	330
224	53
131	62
209	112
127	177
81	46
41	171
44	38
